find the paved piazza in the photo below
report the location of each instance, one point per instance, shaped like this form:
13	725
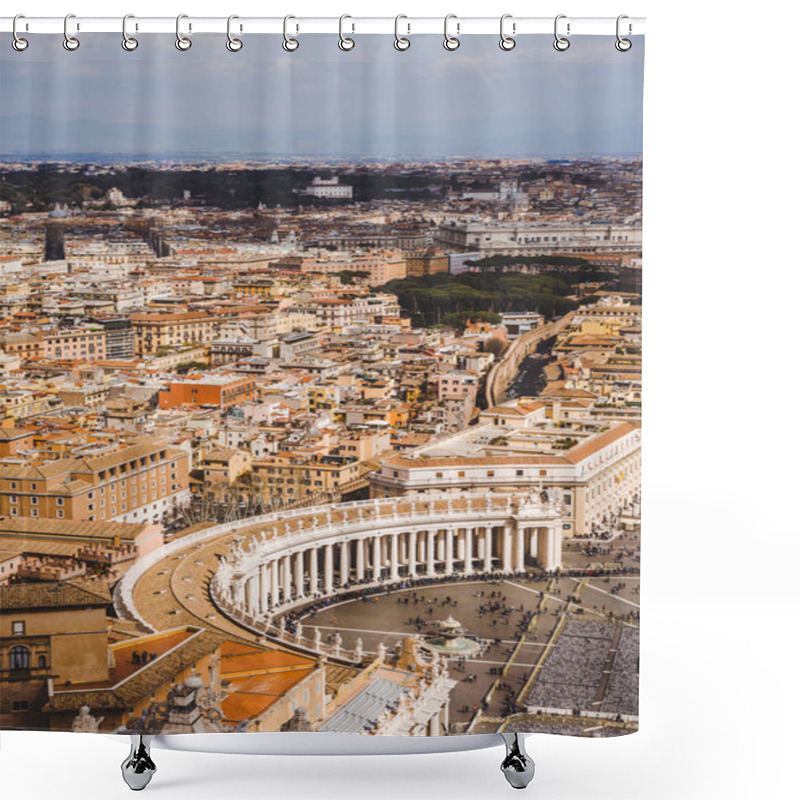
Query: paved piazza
495	684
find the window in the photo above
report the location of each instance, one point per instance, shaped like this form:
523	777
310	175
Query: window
34	501
19	705
34	512
33	487
42	662
59	501
19	657
520	473
13	498
60	513
18	628
490	473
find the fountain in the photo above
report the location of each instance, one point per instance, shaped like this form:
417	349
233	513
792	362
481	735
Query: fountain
450	641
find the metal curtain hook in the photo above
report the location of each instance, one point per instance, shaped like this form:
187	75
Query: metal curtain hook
233	44
128	42
289	44
507	42
18	43
623	45
451	42
345	42
401	42
181	42
561	43
70	42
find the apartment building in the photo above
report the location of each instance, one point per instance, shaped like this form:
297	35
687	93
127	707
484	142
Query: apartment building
208	389
87	343
155	331
139	482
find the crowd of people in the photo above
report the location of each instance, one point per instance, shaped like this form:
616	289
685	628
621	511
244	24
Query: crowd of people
573	670
622	692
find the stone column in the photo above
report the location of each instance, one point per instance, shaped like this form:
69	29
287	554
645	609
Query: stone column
507	564
448	551
328	569
519	549
487	549
412	554
299	577
431	552
264	586
344	563
251	596
360	544
394	558
287	578
468	551
313	570
275	591
549	549
376	557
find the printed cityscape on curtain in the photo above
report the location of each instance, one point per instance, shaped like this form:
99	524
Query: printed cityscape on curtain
321	387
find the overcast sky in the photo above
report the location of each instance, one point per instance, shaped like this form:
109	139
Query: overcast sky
372	101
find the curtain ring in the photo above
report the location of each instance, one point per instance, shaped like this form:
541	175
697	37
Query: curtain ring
18	43
623	45
289	44
128	42
70	42
561	43
451	42
233	44
181	42
507	42
345	42
401	42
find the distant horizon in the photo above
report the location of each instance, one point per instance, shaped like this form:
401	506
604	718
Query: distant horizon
282	160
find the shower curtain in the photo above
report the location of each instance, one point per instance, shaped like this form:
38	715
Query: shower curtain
321	385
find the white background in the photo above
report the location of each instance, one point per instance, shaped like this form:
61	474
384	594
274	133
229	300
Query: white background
719	711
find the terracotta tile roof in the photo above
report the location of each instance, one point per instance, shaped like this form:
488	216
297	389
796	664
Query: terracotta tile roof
63	529
589	448
28	596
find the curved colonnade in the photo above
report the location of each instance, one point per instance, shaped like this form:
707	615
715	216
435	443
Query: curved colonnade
283	561
376	542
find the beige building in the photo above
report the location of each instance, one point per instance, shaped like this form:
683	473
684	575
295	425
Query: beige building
156	331
137	483
592	466
48	631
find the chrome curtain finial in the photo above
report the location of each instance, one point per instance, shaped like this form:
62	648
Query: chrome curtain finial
289	44
70	42
345	42
451	42
182	42
623	45
129	43
561	43
507	42
401	42
17	42
233	44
